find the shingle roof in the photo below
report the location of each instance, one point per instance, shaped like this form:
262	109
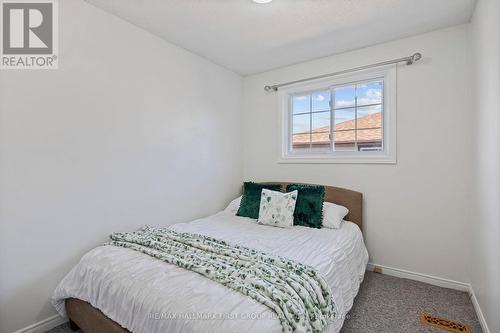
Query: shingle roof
369	130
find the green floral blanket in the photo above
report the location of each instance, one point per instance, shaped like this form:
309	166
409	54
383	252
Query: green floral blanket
297	293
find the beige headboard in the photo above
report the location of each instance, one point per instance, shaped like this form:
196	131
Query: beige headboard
351	199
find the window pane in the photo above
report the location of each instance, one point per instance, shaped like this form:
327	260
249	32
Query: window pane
321	101
345	119
320	136
301	123
320	140
301	104
370	139
370	117
369	93
301	141
301	131
345	140
321	121
344	96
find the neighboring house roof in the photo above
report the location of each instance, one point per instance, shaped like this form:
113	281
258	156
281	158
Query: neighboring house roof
369	130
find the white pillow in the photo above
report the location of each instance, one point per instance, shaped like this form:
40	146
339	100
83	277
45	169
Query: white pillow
333	215
233	206
276	208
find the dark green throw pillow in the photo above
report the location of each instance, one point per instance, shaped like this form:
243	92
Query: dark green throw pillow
309	205
250	202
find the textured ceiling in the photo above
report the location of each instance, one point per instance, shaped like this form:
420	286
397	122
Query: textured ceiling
250	38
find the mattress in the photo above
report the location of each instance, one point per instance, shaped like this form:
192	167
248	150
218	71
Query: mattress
144	294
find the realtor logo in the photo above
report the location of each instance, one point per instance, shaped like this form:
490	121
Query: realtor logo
29	34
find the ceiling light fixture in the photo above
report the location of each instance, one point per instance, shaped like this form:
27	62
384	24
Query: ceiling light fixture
262	1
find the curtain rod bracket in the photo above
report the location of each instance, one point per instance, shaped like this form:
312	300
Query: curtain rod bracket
413	58
270	88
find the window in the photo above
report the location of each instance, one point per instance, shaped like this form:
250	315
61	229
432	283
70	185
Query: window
346	120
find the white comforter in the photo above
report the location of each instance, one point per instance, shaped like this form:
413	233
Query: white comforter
144	294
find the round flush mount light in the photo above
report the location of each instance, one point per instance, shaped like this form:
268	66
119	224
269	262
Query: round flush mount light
262	1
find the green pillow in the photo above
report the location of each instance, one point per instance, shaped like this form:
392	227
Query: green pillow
250	202
309	205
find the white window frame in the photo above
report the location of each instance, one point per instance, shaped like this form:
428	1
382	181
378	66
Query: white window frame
387	156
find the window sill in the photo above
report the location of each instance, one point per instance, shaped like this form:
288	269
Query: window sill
315	159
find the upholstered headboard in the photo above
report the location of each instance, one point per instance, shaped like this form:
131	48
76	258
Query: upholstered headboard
351	199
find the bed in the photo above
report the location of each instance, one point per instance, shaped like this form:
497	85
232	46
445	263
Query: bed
114	289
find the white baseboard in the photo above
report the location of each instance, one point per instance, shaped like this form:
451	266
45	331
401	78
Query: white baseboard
436	281
479	313
43	325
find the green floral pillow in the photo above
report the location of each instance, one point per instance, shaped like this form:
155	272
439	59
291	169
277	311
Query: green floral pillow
309	206
250	201
276	208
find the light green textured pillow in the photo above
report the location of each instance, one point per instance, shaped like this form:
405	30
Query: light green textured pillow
276	208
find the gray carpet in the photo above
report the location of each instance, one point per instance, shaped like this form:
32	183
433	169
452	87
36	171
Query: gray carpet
393	305
389	304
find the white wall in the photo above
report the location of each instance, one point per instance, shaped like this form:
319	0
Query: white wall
417	211
130	130
486	226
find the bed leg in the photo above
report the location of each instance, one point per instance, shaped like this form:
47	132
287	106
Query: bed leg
73	325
